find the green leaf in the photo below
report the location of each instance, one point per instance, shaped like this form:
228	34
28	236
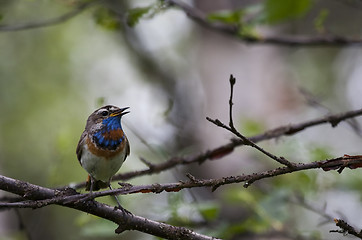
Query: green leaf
251	224
135	14
248	31
97	229
209	210
235	195
252	127
106	19
318	153
228	17
273	207
281	10
320	20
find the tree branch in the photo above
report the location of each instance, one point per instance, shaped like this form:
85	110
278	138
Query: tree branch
124	220
346	228
228	148
245	140
66	196
234	31
49	22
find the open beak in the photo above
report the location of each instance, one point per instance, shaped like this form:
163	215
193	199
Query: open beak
121	112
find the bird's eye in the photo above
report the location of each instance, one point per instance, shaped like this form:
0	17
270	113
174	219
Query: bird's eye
104	113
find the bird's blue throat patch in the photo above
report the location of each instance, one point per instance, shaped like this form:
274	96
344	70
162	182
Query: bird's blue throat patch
111	135
112	123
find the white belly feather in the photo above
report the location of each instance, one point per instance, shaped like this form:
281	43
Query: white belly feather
101	168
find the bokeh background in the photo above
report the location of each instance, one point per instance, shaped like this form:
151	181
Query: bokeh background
172	73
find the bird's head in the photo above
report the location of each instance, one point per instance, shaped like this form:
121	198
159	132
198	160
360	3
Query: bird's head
108	116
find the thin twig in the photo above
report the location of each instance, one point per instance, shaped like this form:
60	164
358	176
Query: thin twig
314	102
232	81
299	200
234	31
245	140
49	22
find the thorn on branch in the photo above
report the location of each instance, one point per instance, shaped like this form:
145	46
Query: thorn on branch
333	121
224	180
216	186
192	178
120	229
340	170
125	186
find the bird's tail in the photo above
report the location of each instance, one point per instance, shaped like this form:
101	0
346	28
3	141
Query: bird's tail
98	184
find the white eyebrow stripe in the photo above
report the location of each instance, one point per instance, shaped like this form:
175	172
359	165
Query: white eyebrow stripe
102	110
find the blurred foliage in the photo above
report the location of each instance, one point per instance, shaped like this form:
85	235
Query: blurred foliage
107	19
209	210
319	21
97	229
45	100
281	10
318	153
229	17
251	127
266	211
135	14
266	12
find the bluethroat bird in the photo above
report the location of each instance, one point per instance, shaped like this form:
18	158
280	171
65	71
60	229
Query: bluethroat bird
103	147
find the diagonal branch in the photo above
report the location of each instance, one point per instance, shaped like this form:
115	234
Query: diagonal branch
228	148
50	22
64	197
36	196
248	142
124	220
234	31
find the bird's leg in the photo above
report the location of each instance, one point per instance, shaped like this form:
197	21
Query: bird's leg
117	200
115	196
91	185
90	195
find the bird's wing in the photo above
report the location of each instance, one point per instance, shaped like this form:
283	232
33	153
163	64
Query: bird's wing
80	144
128	149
